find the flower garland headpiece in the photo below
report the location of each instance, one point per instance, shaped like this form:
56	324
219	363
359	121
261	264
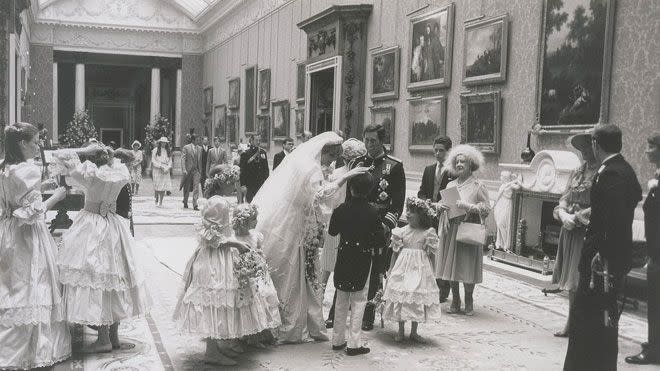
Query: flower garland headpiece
243	215
215	227
415	204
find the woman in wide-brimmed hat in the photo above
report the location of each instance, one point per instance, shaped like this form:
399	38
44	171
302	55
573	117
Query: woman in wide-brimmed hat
161	163
135	167
573	212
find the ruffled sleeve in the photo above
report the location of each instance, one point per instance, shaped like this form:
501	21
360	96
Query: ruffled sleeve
27	191
431	241
64	162
397	240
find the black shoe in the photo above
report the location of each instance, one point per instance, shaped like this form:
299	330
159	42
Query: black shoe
367	327
443	299
357	351
329	323
195	208
643	358
339	347
185	205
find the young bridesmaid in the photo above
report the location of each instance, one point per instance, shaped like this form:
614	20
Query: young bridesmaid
32	328
102	282
411	293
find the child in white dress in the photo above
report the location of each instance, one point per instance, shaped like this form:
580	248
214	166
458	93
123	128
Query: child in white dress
102	282
215	302
411	293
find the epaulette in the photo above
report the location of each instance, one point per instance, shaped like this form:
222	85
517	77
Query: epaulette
393	158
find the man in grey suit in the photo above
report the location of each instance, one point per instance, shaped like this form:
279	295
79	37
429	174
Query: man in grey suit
191	163
216	156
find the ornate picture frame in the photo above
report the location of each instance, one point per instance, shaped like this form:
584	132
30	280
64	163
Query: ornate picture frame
574	95
434	72
385	66
300	121
385	116
234	100
300	82
208	99
427	119
219	127
233	129
485	50
281	124
263	130
481	120
264	89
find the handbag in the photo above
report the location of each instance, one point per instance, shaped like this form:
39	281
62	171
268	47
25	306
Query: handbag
472	233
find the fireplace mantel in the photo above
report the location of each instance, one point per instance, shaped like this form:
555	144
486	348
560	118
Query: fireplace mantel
549	171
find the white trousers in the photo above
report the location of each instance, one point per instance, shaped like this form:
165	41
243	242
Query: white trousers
356	301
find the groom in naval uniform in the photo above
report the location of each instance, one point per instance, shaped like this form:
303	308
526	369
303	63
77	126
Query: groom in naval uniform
388	197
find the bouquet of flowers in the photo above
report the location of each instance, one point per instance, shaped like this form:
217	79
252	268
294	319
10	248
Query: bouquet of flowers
249	266
78	131
244	214
220	177
313	242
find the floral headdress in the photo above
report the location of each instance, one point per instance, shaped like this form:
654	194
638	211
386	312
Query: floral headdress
415	204
215	228
243	215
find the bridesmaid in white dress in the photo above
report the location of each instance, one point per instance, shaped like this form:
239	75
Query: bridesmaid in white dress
102	282
32	328
161	164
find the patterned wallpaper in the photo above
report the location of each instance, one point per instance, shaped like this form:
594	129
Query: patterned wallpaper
192	96
41	81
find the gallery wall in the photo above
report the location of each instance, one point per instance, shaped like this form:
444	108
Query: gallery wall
273	41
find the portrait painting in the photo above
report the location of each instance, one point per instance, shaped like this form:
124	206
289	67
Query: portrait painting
385	74
234	93
219	128
480	120
264	88
280	120
208	100
385	116
575	64
300	83
250	109
428	119
263	130
232	126
485	51
430	45
300	121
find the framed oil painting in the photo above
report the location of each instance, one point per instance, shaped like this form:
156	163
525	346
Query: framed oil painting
208	100
263	130
300	121
233	128
430	46
219	128
234	93
485	51
481	121
575	63
300	83
385	74
264	88
385	116
280	120
250	108
428	119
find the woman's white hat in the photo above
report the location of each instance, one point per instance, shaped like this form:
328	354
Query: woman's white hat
163	140
136	142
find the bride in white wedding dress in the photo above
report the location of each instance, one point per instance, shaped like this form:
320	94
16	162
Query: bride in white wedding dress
293	226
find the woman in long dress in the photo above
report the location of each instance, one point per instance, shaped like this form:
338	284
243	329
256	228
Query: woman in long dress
102	281
32	328
290	219
161	164
457	262
135	167
573	212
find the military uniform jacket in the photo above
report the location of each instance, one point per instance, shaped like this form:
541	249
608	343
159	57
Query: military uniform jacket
652	223
389	194
361	233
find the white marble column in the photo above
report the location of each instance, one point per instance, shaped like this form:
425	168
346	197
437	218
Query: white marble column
54	129
177	109
155	94
80	87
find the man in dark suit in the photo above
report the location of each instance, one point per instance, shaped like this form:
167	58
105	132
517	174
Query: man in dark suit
287	147
434	180
205	155
254	169
593	327
651	351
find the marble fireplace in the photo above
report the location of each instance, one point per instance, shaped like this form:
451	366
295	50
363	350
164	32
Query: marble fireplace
533	230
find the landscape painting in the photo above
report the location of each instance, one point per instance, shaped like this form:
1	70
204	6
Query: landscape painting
428	119
576	62
485	51
480	121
